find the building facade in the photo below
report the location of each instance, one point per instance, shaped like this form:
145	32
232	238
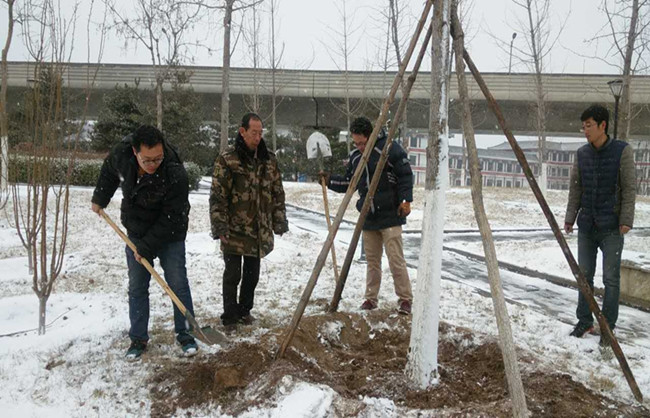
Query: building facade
500	168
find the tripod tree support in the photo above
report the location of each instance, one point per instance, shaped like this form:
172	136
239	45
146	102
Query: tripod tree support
383	115
575	269
372	189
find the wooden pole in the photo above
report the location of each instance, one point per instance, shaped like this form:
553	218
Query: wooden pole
513	376
383	115
577	273
372	189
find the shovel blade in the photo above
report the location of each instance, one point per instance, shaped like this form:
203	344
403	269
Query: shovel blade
209	336
315	142
206	335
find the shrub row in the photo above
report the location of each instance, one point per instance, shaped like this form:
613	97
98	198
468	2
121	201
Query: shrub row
84	172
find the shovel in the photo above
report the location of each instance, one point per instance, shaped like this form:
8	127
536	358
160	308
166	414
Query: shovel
206	335
318	146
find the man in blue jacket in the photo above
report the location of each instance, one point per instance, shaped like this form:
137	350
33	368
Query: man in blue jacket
155	210
390	206
602	192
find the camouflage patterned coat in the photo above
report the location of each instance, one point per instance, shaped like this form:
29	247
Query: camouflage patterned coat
247	200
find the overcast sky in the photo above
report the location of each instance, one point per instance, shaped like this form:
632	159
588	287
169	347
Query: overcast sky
307	28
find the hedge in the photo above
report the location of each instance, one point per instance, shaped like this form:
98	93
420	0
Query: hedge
84	172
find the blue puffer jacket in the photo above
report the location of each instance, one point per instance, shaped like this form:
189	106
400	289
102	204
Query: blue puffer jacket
395	184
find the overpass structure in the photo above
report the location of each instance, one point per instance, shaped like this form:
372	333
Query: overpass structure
308	97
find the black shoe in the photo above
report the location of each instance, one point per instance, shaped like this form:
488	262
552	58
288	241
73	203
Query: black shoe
581	329
134	353
247	319
230	328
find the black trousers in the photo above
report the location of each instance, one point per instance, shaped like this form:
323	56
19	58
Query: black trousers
233	309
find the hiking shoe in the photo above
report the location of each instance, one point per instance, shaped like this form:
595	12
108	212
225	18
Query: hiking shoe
134	353
247	319
581	329
368	305
190	349
404	307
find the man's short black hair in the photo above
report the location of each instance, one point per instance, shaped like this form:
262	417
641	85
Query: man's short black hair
361	126
598	112
246	120
147	135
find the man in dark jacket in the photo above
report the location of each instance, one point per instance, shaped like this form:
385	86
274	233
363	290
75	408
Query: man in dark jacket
246	209
388	211
154	211
601	195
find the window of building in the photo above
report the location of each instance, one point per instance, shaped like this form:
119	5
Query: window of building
565	172
499	183
490	182
413	159
500	167
414	142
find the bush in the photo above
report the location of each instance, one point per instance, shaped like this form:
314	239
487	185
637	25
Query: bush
194	173
84	172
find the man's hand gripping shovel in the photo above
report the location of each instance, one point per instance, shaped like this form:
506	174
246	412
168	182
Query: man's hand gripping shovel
207	335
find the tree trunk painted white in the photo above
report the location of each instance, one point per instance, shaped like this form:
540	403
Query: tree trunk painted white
42	312
422	365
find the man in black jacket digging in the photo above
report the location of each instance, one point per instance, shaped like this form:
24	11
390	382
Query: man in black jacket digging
154	211
388	211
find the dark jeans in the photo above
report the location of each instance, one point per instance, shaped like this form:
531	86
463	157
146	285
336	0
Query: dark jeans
172	261
610	243
232	275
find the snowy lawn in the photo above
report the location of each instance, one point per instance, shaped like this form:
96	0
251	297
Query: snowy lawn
77	368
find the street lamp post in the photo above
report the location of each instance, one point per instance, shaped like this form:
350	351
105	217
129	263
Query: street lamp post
616	86
514	35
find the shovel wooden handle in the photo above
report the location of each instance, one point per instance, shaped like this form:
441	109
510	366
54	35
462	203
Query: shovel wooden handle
329	225
145	263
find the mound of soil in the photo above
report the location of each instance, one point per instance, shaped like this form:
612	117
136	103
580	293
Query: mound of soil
365	355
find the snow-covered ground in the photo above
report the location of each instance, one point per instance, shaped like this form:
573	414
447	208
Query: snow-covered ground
77	368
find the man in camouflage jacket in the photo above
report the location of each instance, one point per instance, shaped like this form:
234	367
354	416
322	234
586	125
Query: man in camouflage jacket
246	209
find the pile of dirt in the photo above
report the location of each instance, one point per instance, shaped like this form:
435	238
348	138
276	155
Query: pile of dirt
365	355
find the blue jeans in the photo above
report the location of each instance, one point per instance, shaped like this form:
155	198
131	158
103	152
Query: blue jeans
172	261
610	243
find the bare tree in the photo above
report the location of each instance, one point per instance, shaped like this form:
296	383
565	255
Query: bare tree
4	117
540	40
41	215
346	40
627	27
161	27
276	61
422	365
251	33
229	7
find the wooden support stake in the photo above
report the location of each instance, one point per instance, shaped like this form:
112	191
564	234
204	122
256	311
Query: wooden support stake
383	115
577	273
513	376
372	189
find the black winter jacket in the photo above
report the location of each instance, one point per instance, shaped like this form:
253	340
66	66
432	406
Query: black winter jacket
155	208
395	184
